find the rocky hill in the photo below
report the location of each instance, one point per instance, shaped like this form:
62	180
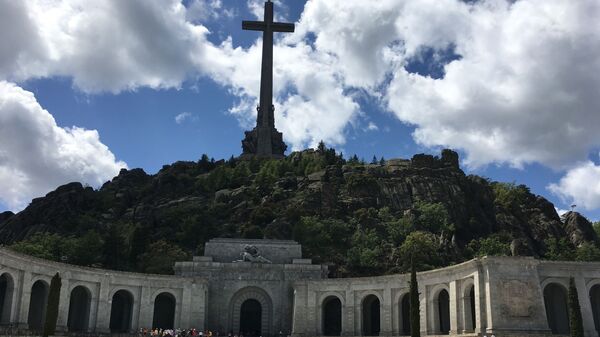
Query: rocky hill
363	218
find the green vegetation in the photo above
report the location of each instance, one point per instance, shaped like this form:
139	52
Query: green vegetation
415	306
362	219
575	319
52	307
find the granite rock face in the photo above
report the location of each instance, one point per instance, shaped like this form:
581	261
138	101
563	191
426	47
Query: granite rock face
166	201
579	229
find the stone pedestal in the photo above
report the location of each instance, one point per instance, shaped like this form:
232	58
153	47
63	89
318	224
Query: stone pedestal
263	142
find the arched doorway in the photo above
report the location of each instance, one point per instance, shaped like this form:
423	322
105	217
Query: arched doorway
405	315
595	300
332	316
443	312
6	296
266	310
120	311
370	316
37	305
469	308
555	300
164	311
251	318
79	309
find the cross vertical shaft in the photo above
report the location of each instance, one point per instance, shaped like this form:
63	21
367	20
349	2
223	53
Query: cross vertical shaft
260	141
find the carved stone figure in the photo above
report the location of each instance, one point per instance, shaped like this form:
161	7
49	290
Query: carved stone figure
251	254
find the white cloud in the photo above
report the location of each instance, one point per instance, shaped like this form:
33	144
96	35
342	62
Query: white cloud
104	45
580	185
182	117
561	212
203	10
36	155
524	89
372	127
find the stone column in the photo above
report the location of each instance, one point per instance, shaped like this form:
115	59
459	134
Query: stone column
104	306
586	307
454	307
146	308
386	312
479	303
311	314
299	315
21	303
423	308
186	306
63	304
348	324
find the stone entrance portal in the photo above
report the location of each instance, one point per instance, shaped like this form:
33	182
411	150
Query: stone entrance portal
250	318
251	312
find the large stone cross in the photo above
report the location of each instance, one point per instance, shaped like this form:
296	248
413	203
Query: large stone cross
264	140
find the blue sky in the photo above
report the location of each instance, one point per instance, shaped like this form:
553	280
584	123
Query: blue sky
393	79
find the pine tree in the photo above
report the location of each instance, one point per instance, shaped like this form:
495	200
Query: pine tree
374	161
52	307
139	242
415	317
575	319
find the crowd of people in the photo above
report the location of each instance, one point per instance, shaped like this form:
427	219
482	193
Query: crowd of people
145	332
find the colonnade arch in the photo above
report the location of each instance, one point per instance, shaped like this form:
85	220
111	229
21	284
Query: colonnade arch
371	315
469	315
555	301
121	311
37	305
595	301
441	312
404	315
331	316
7	285
164	311
79	309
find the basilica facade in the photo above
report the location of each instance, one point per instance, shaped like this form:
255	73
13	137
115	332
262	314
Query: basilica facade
267	288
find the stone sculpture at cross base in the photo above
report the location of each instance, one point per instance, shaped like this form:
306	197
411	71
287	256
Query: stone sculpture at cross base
264	140
270	144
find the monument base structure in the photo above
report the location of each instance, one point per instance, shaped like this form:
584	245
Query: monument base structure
266	288
263	142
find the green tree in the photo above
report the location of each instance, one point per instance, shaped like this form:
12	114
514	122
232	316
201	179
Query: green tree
52	307
423	248
596	226
510	195
493	245
114	249
415	314
84	251
559	249
433	217
160	257
587	252
48	246
575	319
138	242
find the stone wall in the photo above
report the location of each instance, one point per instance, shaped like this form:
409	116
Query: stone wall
503	296
23	271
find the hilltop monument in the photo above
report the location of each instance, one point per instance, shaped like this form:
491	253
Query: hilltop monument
264	140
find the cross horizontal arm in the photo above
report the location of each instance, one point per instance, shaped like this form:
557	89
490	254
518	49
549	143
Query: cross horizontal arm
253	25
283	27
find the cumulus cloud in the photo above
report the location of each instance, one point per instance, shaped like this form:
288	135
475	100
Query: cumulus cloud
580	185
36	155
104	45
522	87
204	10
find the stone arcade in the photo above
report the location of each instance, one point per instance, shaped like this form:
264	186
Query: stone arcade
515	296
